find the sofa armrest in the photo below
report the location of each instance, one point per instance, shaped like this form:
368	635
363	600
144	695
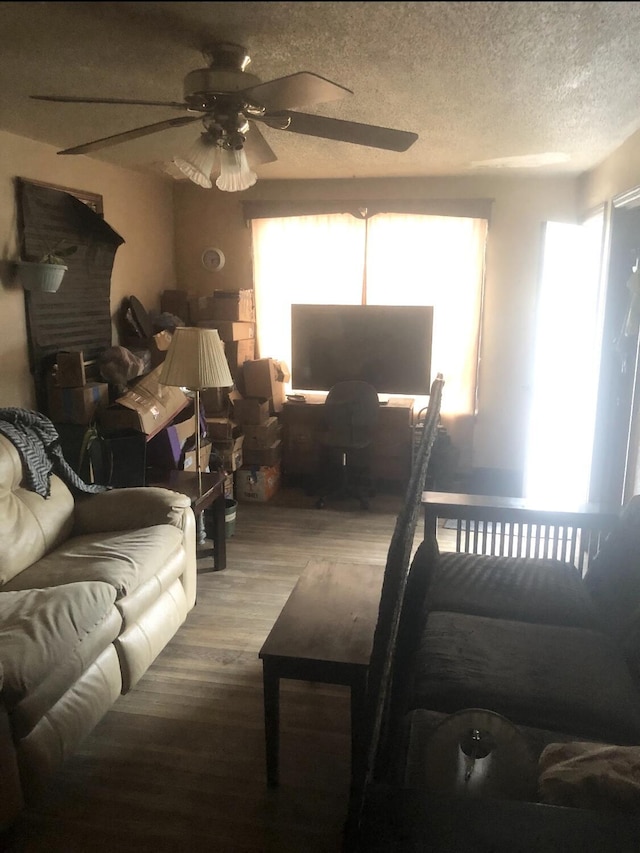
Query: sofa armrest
127	509
517	527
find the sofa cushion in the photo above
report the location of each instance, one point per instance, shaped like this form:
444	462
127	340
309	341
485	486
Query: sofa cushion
530	590
124	559
566	679
43	631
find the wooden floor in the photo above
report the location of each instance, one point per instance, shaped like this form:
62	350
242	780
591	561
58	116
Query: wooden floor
178	764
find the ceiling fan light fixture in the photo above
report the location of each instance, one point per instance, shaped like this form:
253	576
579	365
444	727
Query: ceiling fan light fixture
235	173
197	164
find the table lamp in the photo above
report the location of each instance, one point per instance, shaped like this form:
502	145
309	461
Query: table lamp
195	360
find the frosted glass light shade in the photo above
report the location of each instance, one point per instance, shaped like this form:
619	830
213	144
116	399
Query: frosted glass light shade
196	360
197	163
235	172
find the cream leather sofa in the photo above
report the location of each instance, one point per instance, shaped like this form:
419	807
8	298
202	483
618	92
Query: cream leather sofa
91	590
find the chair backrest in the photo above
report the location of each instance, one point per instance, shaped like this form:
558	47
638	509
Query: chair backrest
351	413
391	599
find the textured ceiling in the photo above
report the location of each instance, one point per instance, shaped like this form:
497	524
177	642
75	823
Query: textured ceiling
477	81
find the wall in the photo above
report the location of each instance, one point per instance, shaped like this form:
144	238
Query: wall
138	207
616	174
211	218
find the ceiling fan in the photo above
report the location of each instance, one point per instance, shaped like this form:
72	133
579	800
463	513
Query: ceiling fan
229	100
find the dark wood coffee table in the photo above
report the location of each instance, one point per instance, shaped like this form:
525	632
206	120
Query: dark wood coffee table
208	493
324	633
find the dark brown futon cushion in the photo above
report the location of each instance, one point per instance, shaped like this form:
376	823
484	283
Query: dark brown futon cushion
571	680
531	590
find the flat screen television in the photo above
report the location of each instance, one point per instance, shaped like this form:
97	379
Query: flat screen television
388	346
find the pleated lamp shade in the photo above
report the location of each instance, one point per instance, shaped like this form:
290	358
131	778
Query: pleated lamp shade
196	360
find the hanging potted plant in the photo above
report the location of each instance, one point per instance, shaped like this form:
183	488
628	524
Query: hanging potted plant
47	273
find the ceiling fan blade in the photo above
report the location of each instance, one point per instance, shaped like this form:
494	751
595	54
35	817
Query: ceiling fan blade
342	131
137	132
257	148
68	99
297	90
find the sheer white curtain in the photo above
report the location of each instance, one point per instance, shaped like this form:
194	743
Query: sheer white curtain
304	259
439	261
389	259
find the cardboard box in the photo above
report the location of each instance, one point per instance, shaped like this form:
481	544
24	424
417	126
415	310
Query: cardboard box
70	369
147	406
188	461
165	449
258	436
266	377
215	401
234	305
224	305
250	410
237	352
221	429
264	456
230	331
257	483
77	405
231	452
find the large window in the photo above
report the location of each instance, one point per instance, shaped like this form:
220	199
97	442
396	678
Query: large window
386	259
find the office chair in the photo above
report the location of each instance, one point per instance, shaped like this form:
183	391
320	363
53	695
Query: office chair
350	416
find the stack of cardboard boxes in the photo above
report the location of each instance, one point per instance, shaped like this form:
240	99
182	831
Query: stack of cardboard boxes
147	406
233	314
72	399
162	419
227	440
256	410
245	430
174	447
243	426
150	425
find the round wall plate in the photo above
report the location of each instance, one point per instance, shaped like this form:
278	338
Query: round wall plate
212	260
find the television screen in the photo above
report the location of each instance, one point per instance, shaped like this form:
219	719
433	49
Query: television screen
388	346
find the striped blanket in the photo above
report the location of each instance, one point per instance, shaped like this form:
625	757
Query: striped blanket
38	444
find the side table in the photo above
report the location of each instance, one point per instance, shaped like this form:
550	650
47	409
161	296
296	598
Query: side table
210	494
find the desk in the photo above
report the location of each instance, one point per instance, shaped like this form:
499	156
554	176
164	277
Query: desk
324	633
391	449
212	495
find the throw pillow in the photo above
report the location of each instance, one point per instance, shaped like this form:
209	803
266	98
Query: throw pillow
590	776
